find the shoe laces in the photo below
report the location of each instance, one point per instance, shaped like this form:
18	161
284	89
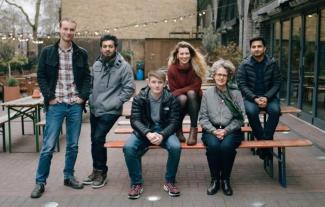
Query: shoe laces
171	187
136	188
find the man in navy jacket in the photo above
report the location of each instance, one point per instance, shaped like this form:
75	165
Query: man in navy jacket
259	80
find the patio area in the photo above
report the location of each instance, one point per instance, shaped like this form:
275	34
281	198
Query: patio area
251	185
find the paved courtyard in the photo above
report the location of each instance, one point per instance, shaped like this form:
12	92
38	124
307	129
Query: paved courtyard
251	185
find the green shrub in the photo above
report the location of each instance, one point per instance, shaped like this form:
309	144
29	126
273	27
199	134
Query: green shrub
12	82
18	62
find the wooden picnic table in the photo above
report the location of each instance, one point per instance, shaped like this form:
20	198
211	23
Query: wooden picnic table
28	107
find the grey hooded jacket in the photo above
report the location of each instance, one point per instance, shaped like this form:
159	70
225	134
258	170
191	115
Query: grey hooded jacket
112	85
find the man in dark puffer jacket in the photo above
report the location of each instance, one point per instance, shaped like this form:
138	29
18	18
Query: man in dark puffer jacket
259	80
154	118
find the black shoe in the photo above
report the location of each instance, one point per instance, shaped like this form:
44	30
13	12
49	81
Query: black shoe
37	191
226	188
214	187
73	183
264	153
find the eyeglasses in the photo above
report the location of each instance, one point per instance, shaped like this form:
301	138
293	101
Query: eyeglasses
219	75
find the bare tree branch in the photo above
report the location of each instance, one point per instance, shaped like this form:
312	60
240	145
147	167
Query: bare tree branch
37	7
22	10
37	10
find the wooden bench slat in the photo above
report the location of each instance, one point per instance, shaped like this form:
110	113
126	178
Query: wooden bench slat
128	130
284	110
279	128
285	142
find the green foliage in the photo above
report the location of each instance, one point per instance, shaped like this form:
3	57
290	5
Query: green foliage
229	52
127	55
3	67
6	52
9	59
18	62
209	40
12	82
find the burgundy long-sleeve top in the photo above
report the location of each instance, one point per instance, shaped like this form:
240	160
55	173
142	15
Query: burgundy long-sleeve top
180	81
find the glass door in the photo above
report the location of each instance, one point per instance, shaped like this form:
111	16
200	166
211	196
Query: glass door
309	62
295	60
320	111
285	58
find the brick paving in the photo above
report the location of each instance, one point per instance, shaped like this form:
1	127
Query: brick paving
251	185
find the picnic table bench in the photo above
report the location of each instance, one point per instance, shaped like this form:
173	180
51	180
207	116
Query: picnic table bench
280	144
13	115
128	130
24	107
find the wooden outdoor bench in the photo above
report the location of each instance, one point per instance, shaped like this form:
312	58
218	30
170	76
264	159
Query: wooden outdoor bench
284	110
4	119
281	144
245	129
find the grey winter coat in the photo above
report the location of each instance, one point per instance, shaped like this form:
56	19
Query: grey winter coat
112	85
214	112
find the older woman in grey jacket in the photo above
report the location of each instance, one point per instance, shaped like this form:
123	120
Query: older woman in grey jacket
221	117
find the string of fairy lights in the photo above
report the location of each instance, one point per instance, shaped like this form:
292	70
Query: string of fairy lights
88	34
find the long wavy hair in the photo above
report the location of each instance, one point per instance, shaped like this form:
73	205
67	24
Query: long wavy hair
197	60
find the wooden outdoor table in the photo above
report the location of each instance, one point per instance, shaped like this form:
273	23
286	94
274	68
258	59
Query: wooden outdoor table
29	107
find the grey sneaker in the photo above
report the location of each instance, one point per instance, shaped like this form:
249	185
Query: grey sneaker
89	180
100	179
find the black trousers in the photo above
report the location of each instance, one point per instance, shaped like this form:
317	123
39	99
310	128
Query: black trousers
221	153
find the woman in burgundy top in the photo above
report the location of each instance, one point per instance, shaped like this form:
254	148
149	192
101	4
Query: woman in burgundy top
186	70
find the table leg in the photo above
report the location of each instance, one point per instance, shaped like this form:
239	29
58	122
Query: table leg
9	131
36	120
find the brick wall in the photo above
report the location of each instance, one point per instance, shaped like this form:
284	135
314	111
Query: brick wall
98	15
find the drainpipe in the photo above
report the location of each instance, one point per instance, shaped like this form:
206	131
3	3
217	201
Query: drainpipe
197	19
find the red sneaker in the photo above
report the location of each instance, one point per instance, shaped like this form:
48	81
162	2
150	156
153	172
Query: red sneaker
171	189
135	191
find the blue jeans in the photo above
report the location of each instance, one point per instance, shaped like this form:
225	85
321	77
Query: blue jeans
54	119
273	111
100	126
136	147
221	153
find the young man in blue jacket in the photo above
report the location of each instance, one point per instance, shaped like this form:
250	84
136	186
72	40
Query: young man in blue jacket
154	118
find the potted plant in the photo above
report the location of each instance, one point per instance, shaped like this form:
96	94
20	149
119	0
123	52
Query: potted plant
11	90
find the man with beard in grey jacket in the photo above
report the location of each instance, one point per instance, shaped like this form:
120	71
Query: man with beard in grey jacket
112	85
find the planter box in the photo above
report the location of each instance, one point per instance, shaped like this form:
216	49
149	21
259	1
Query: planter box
11	93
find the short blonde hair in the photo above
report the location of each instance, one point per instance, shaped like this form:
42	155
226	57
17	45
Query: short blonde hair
161	75
67	19
227	65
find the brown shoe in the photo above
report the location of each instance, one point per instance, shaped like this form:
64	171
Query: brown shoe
192	139
180	135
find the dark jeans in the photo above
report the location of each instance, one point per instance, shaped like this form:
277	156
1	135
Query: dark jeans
221	153
100	126
273	111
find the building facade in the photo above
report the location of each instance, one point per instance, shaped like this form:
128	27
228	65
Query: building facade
130	19
295	35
